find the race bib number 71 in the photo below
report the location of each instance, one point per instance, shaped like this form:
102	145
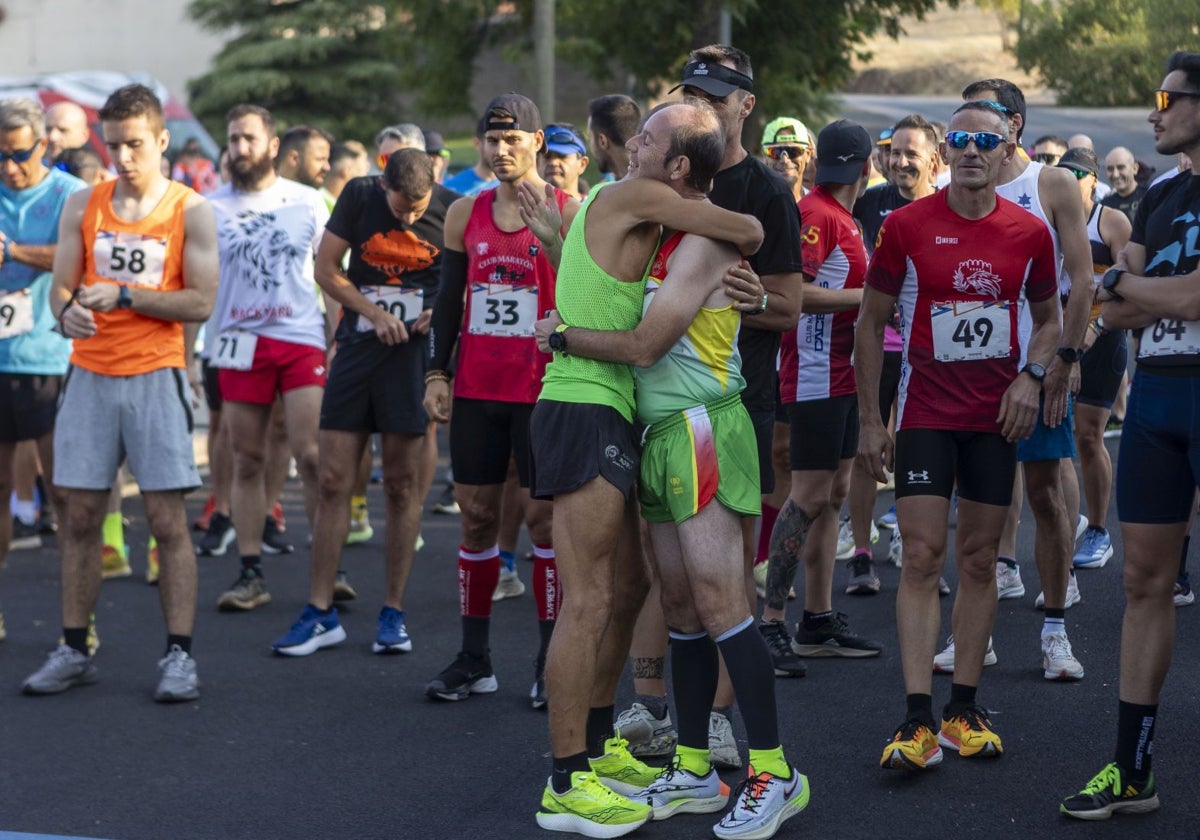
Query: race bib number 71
969	331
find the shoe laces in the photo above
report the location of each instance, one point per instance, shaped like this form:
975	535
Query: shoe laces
1107	779
175	662
1059	647
910	730
776	635
634	713
391	621
860	564
839	624
974	717
751	792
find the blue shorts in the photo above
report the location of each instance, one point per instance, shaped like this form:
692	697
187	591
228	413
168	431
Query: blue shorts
1046	444
1159	459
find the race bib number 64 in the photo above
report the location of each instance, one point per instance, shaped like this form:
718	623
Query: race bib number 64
1168	337
968	331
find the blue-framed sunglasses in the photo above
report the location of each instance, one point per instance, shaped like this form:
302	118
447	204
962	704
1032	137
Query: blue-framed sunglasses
985	141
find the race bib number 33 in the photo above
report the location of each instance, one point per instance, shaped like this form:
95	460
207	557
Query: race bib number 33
968	331
1167	337
130	258
503	309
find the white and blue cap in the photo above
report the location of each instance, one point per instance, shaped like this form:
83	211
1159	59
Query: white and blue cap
563	139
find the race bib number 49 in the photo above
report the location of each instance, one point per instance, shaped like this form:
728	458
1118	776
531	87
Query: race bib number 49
503	309
1168	337
969	331
16	314
130	258
403	304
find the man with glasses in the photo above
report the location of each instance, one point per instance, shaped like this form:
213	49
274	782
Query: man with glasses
788	151
1152	290
565	159
959	264
1048	149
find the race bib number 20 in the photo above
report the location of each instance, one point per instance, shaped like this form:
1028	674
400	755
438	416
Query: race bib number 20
403	304
130	258
1167	337
968	331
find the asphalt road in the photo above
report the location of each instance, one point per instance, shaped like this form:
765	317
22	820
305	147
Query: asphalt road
344	744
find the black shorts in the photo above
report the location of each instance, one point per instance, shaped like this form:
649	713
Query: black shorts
1102	368
484	435
29	405
573	443
211	377
930	461
824	432
764	433
376	388
889	383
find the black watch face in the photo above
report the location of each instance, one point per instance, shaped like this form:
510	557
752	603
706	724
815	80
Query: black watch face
1036	371
556	341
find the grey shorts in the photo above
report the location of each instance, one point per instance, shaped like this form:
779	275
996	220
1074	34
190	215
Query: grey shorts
103	420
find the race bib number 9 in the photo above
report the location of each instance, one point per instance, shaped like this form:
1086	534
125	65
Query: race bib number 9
130	258
971	331
503	309
1170	338
235	350
402	304
16	314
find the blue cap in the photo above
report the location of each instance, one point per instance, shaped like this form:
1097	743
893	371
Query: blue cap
563	139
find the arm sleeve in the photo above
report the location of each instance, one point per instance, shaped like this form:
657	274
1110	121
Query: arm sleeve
448	311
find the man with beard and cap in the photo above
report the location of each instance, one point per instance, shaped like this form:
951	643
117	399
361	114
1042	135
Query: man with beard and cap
271	335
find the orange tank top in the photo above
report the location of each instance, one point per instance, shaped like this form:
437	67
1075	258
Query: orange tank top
148	254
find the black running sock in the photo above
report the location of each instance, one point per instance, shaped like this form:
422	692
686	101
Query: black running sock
76	639
599	730
475	634
326	611
961	696
560	776
184	643
920	707
1135	739
814	620
752	675
657	706
253	562
545	629
1053	613
695	670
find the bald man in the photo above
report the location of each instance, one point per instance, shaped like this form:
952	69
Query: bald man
1080	141
66	128
1122	171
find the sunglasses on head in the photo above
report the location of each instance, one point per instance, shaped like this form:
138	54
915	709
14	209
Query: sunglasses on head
19	157
996	106
563	138
1164	99
985	141
781	152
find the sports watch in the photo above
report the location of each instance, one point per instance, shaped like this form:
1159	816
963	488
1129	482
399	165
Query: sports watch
1109	283
558	339
1035	370
1070	355
124	299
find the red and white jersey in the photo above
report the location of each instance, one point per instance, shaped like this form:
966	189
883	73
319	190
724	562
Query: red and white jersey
815	356
959	284
510	283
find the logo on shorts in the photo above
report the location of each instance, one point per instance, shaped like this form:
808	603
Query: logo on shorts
319	370
976	277
921	477
676	485
618	458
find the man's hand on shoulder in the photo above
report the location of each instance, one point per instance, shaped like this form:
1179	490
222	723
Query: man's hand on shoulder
543	328
745	289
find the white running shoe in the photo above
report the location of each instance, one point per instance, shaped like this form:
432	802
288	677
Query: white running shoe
1058	662
722	748
1081	525
896	549
763	803
508	586
1073	596
845	545
648	736
1008	581
943	663
679	791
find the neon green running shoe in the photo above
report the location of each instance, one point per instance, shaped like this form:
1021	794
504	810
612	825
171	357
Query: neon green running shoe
619	770
591	809
1109	792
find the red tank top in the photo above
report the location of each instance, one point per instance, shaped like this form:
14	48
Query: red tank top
510	283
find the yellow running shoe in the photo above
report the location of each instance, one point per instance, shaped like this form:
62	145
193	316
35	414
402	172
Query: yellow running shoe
114	562
360	525
591	809
619	770
152	562
969	733
913	747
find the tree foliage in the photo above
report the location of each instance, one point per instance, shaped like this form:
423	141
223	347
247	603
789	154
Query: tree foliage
1104	52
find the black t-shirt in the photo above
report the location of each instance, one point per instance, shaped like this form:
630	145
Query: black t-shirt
1126	204
1167	225
751	187
386	252
873	207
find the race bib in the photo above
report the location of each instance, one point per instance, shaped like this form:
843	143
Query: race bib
235	350
403	304
16	314
1170	338
969	331
130	258
503	309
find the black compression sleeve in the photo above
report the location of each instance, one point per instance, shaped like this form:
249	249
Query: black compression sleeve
448	311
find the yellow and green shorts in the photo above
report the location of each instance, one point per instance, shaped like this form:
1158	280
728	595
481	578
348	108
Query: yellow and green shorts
696	455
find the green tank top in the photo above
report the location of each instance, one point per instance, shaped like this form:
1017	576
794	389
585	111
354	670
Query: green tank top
588	297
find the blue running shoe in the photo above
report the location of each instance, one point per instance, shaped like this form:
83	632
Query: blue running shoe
1095	550
888	520
392	636
313	631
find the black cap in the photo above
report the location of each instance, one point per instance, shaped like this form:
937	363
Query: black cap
1081	159
842	149
714	79
435	144
512	108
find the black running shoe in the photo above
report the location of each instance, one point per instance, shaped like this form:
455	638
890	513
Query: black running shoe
468	674
786	662
833	638
1109	792
273	540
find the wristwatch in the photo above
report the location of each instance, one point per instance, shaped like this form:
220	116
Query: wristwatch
1070	355
1035	370
1111	278
124	300
558	339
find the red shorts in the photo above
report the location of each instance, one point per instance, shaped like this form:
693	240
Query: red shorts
279	367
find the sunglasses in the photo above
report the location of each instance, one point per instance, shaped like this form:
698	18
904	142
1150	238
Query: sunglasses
1048	158
19	157
564	138
985	141
780	152
381	160
1164	99
1079	174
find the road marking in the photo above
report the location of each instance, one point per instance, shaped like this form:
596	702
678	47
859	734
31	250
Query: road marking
13	835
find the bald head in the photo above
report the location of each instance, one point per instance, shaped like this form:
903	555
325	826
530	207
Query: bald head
1080	141
66	128
1122	169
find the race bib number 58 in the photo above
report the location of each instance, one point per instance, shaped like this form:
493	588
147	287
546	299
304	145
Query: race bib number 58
968	331
503	309
130	258
1167	337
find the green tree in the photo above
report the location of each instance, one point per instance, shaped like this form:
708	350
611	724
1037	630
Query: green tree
1104	52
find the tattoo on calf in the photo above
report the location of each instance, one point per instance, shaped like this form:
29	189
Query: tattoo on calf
787	541
648	667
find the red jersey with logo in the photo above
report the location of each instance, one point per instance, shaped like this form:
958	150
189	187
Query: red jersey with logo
510	283
959	285
815	356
